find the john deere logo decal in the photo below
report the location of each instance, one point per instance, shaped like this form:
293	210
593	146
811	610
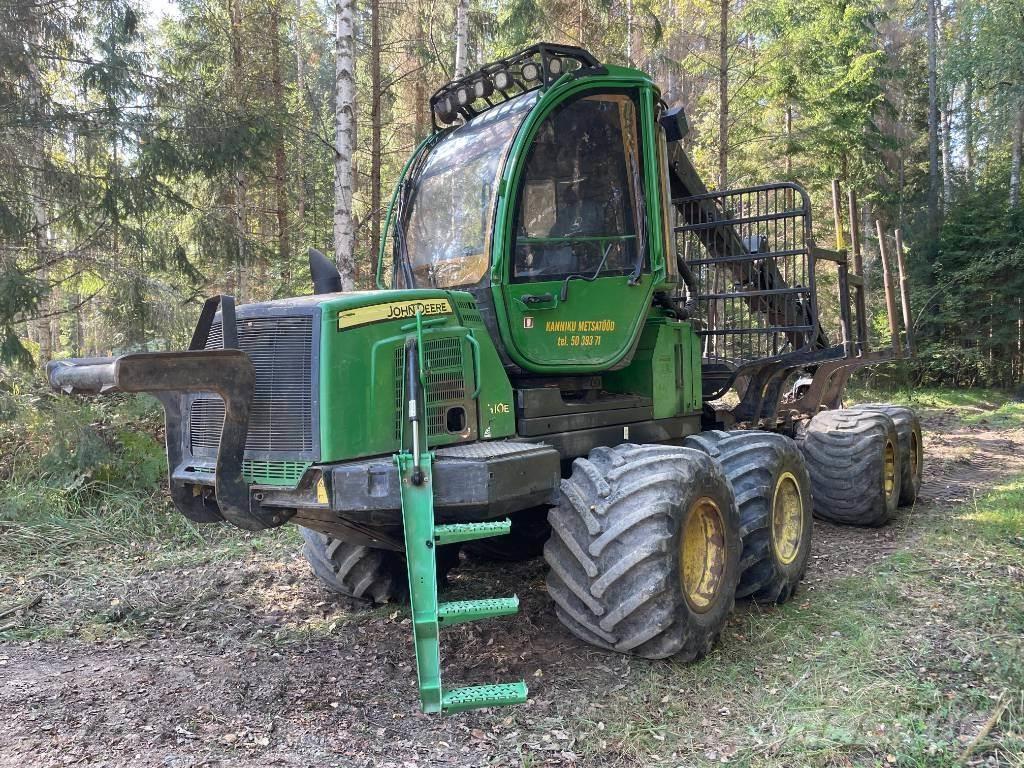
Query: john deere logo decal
392	310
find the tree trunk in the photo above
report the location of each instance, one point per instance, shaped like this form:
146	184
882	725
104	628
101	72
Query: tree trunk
723	95
969	128
462	38
240	212
40	215
344	142
933	118
789	142
375	128
300	85
947	159
280	160
1015	161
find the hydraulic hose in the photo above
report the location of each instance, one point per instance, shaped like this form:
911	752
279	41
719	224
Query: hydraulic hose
689	308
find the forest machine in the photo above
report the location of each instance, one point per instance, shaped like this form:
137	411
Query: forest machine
573	347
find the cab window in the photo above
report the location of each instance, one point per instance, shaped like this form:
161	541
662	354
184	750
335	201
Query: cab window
579	208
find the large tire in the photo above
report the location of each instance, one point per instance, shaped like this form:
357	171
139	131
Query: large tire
908	430
530	529
854	462
355	570
773	493
644	551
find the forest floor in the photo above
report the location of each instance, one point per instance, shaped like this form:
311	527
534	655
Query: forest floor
903	648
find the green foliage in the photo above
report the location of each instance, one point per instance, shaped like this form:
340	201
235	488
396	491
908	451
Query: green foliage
18	293
75	454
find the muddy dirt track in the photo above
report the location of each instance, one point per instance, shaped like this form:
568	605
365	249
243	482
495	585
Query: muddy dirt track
253	664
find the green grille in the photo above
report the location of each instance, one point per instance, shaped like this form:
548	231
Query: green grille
282	473
469	314
446	383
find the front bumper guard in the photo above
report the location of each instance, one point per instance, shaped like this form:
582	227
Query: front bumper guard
168	375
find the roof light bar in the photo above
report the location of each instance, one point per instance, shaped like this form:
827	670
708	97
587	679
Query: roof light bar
535	67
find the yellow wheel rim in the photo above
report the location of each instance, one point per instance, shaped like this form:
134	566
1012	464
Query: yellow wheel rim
702	556
787	518
890	468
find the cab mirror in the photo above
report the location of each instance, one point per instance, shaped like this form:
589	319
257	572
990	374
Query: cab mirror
675	124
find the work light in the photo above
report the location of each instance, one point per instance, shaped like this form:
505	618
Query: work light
444	110
531	71
483	87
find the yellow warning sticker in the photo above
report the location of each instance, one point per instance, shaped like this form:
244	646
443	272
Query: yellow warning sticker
321	491
392	310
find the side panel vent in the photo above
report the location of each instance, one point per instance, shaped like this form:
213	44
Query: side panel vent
446	382
469	314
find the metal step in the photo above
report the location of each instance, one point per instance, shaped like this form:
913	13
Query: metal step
477	696
458	532
461	611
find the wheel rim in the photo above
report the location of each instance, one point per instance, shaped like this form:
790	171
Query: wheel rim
702	556
890	468
915	456
787	518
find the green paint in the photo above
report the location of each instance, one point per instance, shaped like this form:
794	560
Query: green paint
665	367
283	474
533	334
361	385
429	616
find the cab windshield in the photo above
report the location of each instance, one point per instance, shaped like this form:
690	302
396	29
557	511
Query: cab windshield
449	204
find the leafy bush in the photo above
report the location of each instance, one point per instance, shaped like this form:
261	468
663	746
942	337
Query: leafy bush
70	447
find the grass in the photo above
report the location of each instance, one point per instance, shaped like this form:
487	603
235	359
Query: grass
978	406
972	401
903	665
900	667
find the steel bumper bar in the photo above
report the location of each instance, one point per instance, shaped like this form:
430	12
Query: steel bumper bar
228	373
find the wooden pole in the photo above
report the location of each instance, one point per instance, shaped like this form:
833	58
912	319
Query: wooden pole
890	298
837	216
861	291
844	268
908	329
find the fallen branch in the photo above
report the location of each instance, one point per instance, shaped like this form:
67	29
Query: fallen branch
24	606
986	729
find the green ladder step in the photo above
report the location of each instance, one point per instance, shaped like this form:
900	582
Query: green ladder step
460	611
476	696
457	532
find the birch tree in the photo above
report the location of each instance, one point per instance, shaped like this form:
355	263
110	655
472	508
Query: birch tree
462	38
344	142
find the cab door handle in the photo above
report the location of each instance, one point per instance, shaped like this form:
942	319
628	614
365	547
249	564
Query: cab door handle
533	301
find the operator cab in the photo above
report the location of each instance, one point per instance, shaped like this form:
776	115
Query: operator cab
536	205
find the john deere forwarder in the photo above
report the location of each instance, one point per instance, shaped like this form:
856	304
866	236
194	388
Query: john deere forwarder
562	311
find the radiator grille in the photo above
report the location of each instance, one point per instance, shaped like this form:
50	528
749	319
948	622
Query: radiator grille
281	416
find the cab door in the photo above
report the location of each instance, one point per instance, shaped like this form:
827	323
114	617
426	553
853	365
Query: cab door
577	280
